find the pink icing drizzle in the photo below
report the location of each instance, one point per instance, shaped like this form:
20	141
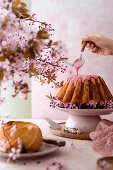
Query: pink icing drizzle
78	64
75	78
84	77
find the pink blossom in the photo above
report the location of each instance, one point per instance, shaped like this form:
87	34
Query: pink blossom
20	144
2	100
110	104
13	131
104	164
90	105
3	143
71	146
57	165
2	123
15	153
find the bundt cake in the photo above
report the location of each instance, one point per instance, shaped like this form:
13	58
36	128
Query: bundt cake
29	133
81	89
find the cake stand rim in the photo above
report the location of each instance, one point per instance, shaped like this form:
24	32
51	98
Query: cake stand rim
82	112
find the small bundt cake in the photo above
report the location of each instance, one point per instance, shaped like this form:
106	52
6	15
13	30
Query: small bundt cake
83	88
29	133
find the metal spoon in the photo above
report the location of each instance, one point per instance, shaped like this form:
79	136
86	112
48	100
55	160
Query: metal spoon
78	59
81	53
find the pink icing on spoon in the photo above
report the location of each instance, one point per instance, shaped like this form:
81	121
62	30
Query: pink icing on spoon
78	64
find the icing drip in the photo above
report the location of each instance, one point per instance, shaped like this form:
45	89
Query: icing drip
78	64
75	78
84	77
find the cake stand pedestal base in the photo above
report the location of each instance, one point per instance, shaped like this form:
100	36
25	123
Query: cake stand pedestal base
84	119
84	123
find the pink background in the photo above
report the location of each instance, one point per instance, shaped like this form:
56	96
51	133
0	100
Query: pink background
73	19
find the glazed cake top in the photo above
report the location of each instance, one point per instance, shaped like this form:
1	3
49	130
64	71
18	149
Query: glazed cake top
84	77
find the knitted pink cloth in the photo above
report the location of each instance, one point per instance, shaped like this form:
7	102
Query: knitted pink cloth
103	138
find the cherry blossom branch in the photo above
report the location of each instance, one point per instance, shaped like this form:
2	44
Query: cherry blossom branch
27	51
54	65
30	19
56	83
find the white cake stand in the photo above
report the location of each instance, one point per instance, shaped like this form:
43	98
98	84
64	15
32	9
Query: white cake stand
84	119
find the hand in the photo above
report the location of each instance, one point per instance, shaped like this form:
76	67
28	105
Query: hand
99	44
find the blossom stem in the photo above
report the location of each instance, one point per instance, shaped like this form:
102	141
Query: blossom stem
30	19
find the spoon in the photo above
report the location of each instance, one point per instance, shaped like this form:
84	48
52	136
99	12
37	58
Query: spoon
78	62
81	53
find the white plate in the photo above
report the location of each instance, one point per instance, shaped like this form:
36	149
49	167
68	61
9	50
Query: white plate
44	150
90	112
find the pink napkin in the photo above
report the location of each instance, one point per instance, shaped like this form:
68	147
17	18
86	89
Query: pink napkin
103	138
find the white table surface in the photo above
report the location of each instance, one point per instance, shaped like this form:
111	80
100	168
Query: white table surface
82	157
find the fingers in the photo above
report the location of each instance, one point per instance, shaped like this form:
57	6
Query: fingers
88	39
91	47
91	38
94	43
94	50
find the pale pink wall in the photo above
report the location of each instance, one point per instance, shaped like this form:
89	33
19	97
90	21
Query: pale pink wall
73	19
